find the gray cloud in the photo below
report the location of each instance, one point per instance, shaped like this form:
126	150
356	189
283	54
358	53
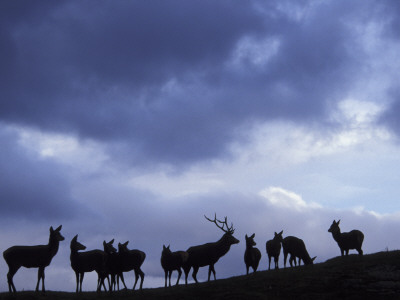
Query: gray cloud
103	71
31	188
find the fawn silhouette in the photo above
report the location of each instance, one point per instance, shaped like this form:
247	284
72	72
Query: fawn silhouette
39	256
296	248
347	240
171	261
208	254
273	248
252	255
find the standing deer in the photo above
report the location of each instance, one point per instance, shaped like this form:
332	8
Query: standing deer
347	240
296	248
171	261
130	260
39	256
273	248
252	255
82	262
208	254
111	263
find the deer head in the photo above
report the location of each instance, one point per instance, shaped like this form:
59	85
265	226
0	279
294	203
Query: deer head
250	240
228	232
108	247
75	245
123	247
334	227
55	234
278	236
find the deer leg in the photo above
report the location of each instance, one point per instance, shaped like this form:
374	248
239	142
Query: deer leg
77	281
285	254
179	275
136	279
121	275
10	275
247	270
269	262
186	270
211	268
40	276
81	280
141	278
195	270
166	276
38	280
169	277
42	273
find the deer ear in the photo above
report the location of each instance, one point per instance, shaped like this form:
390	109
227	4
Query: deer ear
246	236
111	242
75	238
51	229
58	228
126	243
253	235
168	246
104	243
338	222
280	233
312	259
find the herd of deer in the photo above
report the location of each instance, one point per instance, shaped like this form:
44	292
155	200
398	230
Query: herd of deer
110	263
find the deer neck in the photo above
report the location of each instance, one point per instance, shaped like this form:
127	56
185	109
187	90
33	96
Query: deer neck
53	246
337	235
222	246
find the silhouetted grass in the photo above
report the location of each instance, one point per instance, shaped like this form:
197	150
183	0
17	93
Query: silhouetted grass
373	276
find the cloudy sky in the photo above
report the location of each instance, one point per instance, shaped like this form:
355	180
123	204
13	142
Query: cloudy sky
133	119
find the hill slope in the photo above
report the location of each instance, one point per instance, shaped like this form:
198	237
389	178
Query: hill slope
373	276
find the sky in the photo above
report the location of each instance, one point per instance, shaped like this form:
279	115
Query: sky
133	119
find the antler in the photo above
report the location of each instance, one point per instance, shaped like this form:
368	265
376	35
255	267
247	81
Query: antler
228	229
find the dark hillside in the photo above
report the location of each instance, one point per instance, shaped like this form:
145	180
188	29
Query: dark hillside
374	276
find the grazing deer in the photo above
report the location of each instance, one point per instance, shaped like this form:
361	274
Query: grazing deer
82	262
171	261
252	255
296	248
208	254
273	248
347	240
39	256
130	260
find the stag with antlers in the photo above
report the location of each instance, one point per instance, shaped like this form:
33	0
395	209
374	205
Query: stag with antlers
208	254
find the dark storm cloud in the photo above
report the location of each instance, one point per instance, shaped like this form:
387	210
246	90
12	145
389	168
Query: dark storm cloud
153	78
30	188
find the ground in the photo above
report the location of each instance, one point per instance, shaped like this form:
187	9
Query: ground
373	276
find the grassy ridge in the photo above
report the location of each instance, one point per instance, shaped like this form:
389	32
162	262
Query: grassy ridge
373	276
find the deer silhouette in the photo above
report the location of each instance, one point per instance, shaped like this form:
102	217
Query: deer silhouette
83	262
39	256
208	254
111	263
171	261
130	260
273	248
252	255
347	240
296	248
